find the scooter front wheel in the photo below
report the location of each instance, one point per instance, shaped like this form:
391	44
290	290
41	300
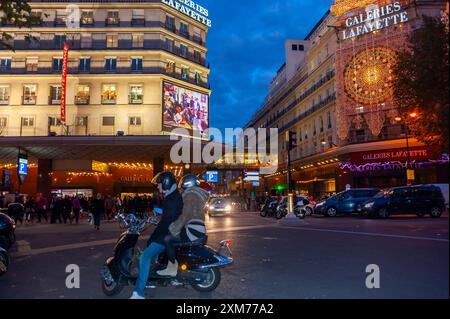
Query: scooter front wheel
111	289
211	283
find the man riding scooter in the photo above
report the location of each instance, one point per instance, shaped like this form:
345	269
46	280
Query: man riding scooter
190	226
172	209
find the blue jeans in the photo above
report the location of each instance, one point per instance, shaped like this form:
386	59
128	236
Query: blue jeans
151	253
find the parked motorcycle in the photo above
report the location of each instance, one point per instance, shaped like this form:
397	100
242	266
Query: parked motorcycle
282	210
7	228
199	264
269	208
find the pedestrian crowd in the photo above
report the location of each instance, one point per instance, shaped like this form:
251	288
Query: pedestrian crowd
70	209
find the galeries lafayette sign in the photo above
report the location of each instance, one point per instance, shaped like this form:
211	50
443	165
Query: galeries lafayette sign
421	153
373	19
191	9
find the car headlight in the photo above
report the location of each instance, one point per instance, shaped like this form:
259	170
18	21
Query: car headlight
320	204
369	205
228	208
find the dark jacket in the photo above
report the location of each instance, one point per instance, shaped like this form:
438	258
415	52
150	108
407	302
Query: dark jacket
98	206
172	209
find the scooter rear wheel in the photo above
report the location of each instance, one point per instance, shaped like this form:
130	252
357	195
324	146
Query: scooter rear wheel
4	262
214	277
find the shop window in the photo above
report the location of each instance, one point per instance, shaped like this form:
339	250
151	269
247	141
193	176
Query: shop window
108	121
83	94
27	121
109	95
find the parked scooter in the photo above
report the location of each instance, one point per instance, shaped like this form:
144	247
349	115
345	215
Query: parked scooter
269	208
199	264
282	210
7	228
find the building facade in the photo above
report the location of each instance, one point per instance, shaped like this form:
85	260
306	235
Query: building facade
136	69
120	52
338	102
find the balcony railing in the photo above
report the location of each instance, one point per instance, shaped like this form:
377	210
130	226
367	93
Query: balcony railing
82	100
135	99
4	100
112	21
29	100
138	22
108	100
53	100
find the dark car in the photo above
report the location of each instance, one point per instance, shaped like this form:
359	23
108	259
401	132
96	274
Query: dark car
346	202
419	200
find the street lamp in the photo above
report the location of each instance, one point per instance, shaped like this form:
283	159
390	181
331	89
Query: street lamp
325	142
409	173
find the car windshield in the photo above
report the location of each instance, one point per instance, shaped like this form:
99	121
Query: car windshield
219	201
381	194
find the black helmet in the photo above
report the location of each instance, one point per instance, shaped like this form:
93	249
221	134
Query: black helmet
188	181
167	179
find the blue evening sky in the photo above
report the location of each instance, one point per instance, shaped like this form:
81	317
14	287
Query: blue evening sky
246	48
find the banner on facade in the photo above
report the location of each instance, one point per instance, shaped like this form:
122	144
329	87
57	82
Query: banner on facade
65	63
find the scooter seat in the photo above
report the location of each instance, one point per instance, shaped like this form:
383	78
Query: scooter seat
199	242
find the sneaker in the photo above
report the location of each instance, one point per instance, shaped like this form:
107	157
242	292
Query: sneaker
170	271
135	295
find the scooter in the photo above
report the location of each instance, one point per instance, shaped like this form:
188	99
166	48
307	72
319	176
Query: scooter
199	264
7	228
4	261
269	208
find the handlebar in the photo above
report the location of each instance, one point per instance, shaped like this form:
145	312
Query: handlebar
133	223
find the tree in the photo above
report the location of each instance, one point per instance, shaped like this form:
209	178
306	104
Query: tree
420	82
17	13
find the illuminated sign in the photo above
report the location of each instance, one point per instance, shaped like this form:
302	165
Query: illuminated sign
22	167
212	177
100	167
373	19
191	9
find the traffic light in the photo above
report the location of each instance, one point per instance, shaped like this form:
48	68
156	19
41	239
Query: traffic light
291	139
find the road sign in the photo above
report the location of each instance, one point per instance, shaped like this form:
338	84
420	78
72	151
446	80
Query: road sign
212	177
411	176
22	167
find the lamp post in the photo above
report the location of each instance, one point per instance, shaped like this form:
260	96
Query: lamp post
410	175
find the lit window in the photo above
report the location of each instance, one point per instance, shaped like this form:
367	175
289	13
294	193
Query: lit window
55	94
29	94
135	120
87	17
138	40
28	121
54	121
185	73
112	41
109	95
136	94
170	67
113	17
4	94
83	94
138	17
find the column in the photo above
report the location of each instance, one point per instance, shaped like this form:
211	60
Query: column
44	180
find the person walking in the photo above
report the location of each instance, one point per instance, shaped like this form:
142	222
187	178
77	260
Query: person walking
76	207
97	209
109	205
29	210
67	209
57	209
41	206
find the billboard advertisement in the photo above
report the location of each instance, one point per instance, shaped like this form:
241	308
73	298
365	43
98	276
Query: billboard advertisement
185	108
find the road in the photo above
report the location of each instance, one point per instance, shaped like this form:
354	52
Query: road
323	258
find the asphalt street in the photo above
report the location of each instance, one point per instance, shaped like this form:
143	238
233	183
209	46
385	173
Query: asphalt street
323	258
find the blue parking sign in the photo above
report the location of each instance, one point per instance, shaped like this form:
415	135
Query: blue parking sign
23	166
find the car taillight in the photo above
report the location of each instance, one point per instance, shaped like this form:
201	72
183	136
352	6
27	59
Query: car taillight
313	203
